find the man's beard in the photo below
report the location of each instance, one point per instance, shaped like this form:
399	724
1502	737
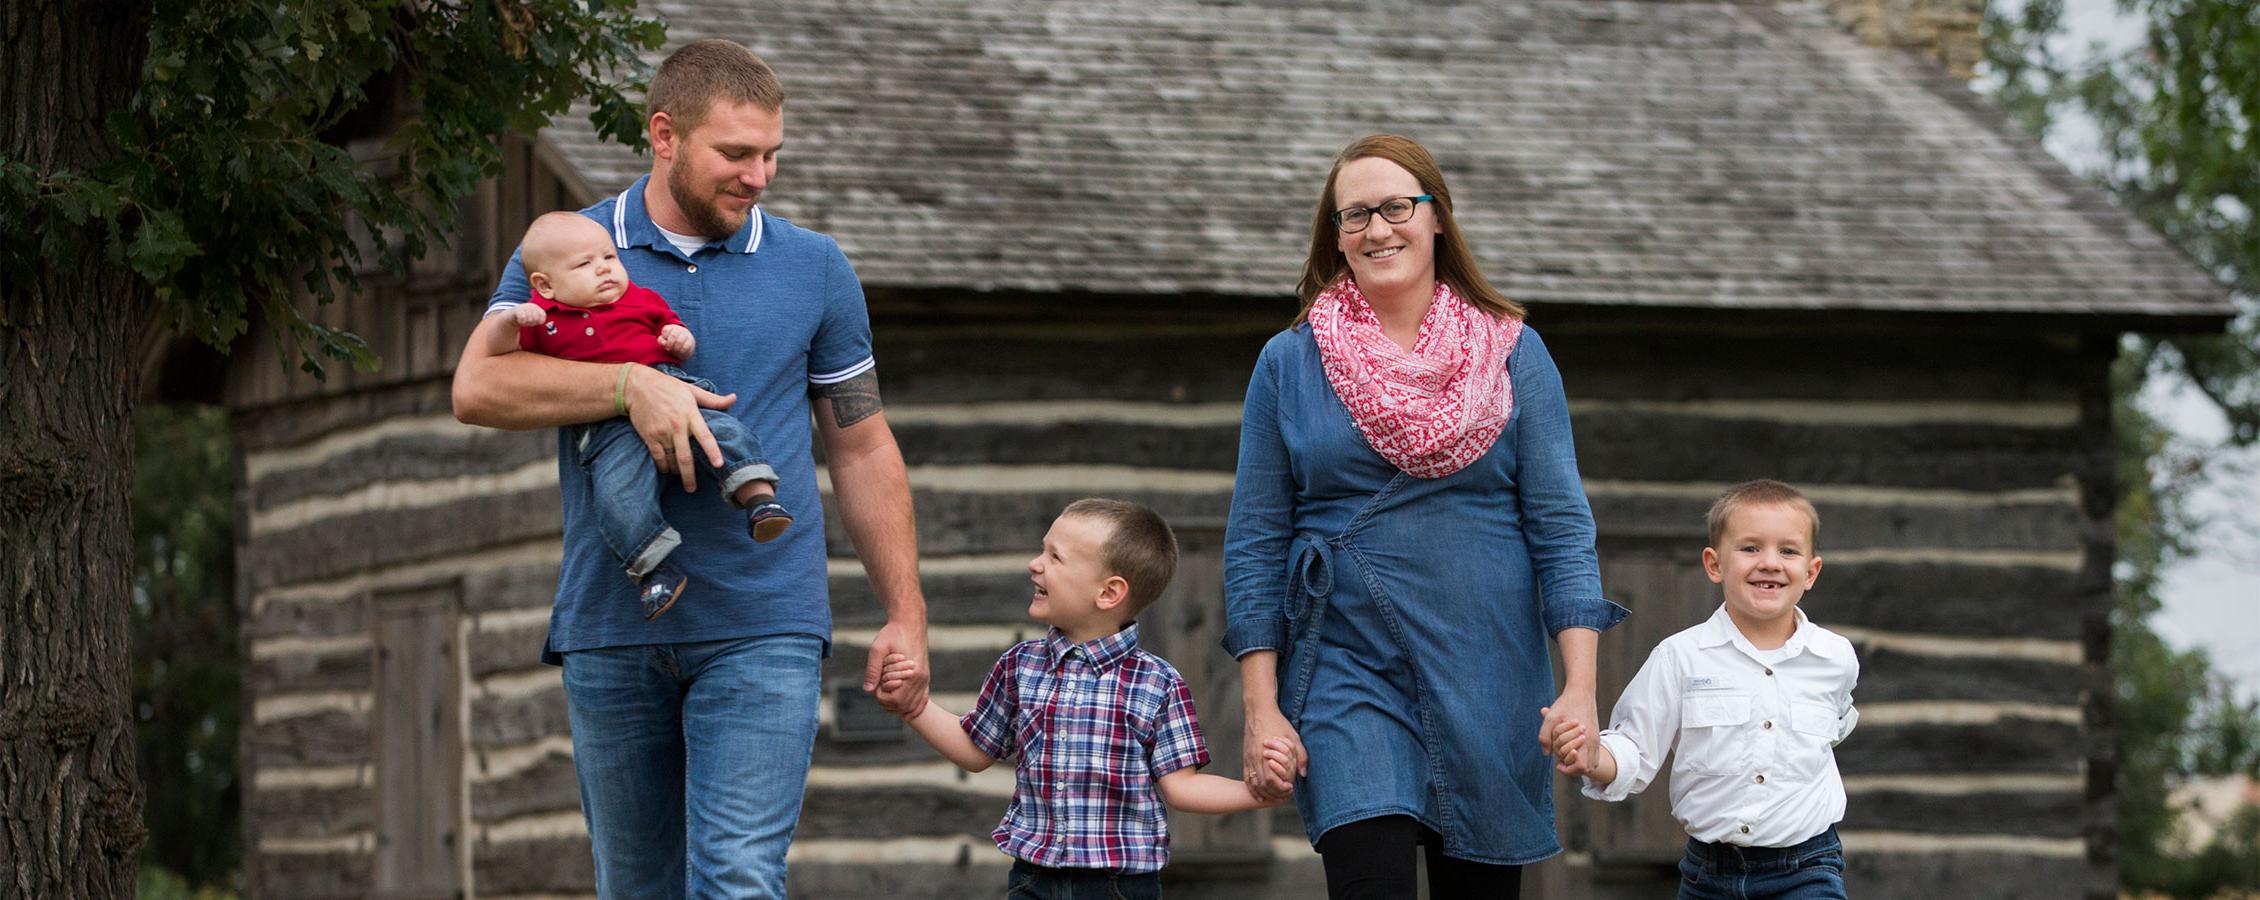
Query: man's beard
707	219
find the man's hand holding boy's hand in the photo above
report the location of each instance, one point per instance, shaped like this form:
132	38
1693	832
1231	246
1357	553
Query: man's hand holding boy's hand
526	315
898	683
677	341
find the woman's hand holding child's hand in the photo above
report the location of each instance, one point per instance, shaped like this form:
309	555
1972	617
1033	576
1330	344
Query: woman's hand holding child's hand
1279	763
1573	755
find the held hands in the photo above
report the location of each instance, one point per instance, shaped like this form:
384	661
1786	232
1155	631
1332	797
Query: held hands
1576	745
677	341
526	315
899	681
1267	734
1279	766
1571	706
895	676
1574	749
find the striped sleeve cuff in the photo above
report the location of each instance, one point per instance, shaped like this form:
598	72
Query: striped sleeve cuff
835	377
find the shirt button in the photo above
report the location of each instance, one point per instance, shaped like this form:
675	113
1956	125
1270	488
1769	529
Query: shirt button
1745	829
1761	779
1769	724
1769	671
694	270
591	332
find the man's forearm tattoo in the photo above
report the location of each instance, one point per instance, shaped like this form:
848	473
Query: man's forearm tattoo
853	400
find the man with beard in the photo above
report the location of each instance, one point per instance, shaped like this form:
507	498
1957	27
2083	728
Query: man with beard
692	732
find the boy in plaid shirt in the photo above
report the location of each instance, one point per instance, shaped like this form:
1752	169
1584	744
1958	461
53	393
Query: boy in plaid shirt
1104	732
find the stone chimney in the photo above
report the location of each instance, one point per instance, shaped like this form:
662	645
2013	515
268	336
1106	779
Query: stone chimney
1946	31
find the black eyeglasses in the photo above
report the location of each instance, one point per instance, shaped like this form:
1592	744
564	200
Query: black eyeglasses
1395	211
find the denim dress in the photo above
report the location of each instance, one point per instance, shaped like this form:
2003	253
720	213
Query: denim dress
1412	614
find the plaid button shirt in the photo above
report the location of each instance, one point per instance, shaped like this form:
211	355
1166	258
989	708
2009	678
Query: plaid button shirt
1093	726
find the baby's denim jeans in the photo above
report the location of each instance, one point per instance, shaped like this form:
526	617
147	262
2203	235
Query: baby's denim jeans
627	484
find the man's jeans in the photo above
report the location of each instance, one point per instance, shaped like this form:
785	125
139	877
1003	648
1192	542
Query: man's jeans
692	759
626	483
1812	870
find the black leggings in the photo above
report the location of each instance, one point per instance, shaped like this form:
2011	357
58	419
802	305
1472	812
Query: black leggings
1372	859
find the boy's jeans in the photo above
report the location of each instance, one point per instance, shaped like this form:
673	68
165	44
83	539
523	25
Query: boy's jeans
1812	870
1029	881
692	759
626	483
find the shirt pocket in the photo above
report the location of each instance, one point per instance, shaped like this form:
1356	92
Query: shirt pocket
1710	726
1027	731
1814	726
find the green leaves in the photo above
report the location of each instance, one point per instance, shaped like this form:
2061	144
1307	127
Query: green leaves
161	245
276	152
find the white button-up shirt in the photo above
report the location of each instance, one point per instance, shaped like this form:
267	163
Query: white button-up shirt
1756	765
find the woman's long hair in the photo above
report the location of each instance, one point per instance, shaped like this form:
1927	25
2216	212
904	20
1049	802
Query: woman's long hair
1455	266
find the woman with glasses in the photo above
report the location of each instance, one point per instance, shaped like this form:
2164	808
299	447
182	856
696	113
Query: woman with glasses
1407	530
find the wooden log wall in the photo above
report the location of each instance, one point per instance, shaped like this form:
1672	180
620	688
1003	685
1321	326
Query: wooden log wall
1963	478
352	528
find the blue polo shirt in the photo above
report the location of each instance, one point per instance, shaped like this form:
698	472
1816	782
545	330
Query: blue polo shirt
775	308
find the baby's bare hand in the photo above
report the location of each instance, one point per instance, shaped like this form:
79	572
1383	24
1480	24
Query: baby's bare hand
677	341
527	315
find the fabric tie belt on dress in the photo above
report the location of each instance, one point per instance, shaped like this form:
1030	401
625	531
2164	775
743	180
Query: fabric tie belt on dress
1310	581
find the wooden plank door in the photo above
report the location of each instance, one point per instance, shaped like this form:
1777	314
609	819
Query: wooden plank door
418	733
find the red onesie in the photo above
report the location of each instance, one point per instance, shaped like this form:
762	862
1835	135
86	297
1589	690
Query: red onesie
623	331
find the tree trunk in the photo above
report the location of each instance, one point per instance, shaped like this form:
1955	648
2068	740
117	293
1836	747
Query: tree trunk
70	805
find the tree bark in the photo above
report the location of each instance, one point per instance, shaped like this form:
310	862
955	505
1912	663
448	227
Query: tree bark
70	804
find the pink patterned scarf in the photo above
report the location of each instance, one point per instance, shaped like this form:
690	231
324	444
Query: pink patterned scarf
1434	410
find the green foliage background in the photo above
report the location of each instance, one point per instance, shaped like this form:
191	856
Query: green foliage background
187	684
2175	120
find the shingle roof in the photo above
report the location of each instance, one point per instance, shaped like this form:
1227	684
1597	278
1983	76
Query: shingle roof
1680	154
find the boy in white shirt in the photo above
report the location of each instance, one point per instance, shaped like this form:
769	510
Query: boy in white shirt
1755	699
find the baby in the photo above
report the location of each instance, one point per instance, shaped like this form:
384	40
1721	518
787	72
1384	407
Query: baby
584	308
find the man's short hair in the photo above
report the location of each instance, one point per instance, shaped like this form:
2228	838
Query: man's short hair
1762	492
702	72
1141	548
